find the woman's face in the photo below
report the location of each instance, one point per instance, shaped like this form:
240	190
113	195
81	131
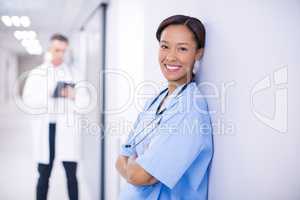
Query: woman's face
177	53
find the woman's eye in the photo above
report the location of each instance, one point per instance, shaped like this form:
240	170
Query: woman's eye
163	46
182	49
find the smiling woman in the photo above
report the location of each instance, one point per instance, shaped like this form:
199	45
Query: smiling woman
168	153
181	44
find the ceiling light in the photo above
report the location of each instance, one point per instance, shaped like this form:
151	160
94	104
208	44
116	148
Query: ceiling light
30	43
25	35
6	20
31	34
15	21
28	35
18	35
35	51
25	21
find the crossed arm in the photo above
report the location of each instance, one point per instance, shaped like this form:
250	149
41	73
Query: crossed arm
132	172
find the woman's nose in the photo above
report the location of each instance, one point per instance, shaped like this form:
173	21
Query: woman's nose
171	56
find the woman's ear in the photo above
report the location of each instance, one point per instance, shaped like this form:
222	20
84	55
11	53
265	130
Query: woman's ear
199	53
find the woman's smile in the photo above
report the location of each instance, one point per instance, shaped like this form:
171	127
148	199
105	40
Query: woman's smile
172	67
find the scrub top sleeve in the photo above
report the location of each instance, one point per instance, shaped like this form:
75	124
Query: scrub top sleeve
175	147
129	151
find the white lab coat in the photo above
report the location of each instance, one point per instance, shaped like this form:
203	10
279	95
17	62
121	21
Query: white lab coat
39	103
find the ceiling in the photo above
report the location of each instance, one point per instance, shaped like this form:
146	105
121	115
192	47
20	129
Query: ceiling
47	17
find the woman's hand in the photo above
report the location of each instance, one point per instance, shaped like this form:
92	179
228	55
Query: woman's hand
133	172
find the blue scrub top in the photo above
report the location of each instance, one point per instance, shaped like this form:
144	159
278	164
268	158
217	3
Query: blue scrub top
176	148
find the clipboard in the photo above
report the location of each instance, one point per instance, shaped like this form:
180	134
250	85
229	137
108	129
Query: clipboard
60	86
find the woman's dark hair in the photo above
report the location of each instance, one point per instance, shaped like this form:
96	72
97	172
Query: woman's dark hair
193	24
59	37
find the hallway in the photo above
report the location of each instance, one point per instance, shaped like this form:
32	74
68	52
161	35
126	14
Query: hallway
18	169
249	75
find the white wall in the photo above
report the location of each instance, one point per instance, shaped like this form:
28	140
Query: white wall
25	64
14	145
125	61
8	75
28	62
86	58
246	41
256	143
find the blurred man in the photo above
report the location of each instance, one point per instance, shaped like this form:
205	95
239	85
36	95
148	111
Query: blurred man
49	91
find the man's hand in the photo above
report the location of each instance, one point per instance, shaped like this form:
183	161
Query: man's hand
68	92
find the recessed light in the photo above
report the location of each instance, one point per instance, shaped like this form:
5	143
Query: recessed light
6	21
30	43
18	35
31	34
25	21
15	21
35	50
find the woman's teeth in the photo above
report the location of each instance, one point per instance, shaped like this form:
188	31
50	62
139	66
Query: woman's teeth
173	67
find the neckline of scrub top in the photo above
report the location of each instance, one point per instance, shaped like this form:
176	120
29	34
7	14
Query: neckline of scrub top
170	98
155	102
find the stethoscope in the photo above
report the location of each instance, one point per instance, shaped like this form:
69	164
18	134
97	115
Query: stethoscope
158	117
